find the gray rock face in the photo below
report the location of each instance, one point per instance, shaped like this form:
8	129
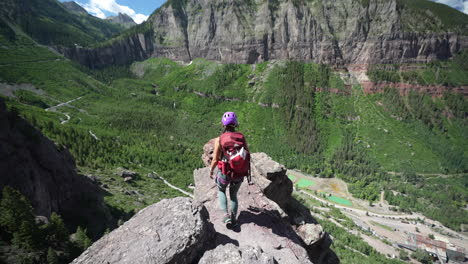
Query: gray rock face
208	150
45	174
272	179
171	231
230	254
345	32
122	19
133	48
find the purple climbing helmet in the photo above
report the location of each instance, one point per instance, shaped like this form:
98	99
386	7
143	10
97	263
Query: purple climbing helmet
229	118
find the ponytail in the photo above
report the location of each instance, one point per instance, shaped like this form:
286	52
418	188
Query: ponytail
229	128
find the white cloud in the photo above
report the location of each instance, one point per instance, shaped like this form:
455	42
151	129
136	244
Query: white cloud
99	7
461	5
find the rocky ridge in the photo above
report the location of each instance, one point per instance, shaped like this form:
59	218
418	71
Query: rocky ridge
345	33
184	230
122	19
74	7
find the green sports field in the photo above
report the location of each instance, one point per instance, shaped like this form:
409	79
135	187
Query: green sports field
340	200
292	177
304	183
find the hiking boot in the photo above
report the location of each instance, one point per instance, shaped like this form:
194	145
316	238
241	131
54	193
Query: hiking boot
234	222
227	219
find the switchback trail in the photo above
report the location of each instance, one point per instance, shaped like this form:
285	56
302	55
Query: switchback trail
172	186
54	108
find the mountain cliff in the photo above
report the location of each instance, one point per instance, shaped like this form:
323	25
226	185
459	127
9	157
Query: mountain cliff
46	174
348	32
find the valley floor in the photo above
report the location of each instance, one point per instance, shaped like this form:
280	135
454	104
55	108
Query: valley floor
383	229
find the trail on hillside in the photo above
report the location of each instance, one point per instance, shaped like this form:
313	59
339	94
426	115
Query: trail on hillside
54	108
67	115
66	120
173	186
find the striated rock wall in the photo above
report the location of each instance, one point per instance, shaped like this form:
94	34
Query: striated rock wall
123	51
345	32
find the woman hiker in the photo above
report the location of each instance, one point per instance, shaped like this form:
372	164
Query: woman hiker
231	156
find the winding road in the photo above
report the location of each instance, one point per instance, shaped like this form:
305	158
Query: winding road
360	211
54	108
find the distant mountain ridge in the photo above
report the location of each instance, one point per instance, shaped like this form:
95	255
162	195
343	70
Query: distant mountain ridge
51	23
122	19
348	32
74	7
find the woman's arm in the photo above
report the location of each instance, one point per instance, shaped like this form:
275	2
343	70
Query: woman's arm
216	156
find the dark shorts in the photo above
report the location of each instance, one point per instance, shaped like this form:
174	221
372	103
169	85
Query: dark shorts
223	181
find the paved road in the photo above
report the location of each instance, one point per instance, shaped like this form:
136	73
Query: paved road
359	211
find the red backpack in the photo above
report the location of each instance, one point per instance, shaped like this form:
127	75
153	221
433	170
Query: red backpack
236	157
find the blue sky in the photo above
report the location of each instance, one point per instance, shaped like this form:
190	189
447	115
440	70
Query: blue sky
139	10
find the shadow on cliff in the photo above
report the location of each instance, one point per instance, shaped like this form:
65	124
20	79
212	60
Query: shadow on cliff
269	219
92	212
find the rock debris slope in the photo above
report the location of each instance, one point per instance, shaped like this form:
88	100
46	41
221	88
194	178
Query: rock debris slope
345	32
184	230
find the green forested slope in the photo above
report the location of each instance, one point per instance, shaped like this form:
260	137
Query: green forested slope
428	16
49	23
304	115
159	122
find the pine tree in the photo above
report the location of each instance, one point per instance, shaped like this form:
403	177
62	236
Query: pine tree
81	239
14	208
52	257
27	236
57	233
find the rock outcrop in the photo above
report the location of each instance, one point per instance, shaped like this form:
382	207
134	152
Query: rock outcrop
122	19
46	174
260	222
347	32
171	231
271	178
268	200
184	230
231	254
